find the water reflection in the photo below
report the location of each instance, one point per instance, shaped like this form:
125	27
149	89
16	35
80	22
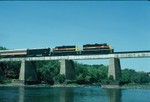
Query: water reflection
86	94
27	94
66	95
30	94
114	95
21	94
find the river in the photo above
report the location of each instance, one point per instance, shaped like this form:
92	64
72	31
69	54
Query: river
77	94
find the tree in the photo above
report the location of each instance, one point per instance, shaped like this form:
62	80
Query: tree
127	75
141	77
90	73
81	73
131	76
60	78
48	70
2	48
102	73
1	73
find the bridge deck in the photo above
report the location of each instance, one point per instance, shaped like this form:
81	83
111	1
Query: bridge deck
133	54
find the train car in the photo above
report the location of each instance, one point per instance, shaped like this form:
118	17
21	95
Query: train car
96	49
38	52
65	50
59	50
13	53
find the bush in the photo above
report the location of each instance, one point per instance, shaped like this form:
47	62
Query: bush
60	78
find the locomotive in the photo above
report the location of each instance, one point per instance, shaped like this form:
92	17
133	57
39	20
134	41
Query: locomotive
59	50
38	52
97	49
63	50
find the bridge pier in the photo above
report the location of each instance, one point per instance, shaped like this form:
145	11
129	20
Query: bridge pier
67	69
28	72
114	68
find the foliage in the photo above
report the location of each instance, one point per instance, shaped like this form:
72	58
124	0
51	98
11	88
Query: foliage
1	79
12	69
60	78
48	70
1	74
131	76
90	73
2	48
111	78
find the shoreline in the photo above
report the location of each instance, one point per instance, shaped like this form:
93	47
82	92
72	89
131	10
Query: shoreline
128	86
47	85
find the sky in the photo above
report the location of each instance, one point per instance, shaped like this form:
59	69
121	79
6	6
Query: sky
125	25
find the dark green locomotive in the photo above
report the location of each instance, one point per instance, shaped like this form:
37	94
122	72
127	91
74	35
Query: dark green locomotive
38	52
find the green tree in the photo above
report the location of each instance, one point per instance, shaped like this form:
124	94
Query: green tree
131	76
128	75
12	69
60	78
102	73
48	70
2	48
1	73
141	77
81	73
90	73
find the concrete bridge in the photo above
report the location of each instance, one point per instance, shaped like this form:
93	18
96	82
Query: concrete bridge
27	69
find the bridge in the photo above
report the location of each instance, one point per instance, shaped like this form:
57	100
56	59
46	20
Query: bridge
67	67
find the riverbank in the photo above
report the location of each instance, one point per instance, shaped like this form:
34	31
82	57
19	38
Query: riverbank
127	86
45	85
136	86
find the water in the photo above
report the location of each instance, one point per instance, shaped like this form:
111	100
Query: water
87	94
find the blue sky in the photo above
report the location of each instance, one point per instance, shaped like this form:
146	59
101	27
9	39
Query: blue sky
124	25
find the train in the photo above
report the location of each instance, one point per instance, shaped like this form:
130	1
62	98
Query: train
59	50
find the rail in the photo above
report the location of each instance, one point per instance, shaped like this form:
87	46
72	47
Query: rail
125	54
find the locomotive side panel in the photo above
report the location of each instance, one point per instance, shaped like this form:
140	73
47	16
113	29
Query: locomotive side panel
96	49
38	52
65	50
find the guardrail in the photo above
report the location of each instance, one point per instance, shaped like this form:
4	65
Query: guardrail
133	54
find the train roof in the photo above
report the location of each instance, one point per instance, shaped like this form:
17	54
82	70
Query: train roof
13	50
23	49
38	48
66	46
103	44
